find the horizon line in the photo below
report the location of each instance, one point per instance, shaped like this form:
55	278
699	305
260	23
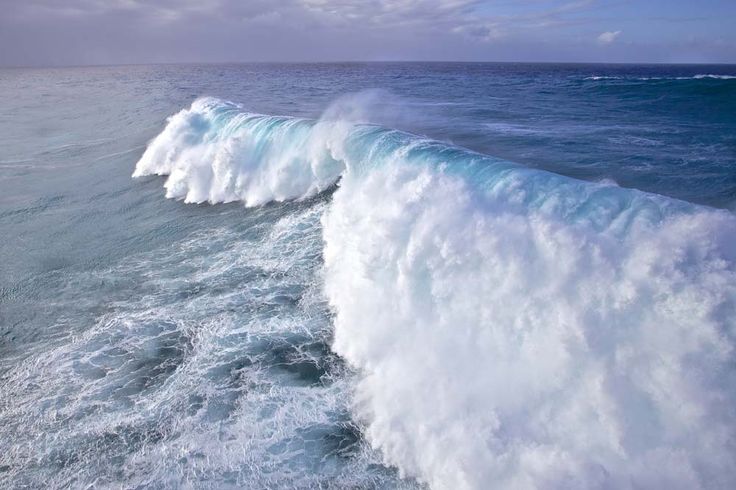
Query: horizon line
364	62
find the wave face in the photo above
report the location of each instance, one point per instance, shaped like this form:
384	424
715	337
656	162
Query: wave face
510	328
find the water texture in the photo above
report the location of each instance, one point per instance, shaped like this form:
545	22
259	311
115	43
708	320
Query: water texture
368	275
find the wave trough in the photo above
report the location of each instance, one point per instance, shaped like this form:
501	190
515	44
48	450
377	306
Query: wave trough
511	328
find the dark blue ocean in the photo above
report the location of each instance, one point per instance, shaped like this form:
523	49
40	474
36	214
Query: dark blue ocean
383	275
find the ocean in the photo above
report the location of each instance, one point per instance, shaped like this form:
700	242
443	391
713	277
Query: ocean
368	275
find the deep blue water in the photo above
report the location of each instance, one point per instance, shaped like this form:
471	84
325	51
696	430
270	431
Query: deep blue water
148	342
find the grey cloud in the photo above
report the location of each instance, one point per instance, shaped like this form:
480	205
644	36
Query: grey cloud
53	32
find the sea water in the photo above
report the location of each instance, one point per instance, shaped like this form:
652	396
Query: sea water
368	276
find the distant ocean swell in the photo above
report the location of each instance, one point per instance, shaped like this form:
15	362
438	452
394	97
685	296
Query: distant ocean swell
511	328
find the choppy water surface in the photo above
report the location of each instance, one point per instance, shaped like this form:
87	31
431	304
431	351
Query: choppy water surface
369	275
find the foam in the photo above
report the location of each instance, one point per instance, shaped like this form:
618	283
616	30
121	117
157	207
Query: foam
700	76
208	367
718	77
216	152
508	349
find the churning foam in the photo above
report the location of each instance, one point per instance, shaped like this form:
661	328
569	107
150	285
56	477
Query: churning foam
512	328
216	152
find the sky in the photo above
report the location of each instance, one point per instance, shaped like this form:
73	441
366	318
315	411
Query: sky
88	32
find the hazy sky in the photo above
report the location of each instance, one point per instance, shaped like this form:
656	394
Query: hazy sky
64	32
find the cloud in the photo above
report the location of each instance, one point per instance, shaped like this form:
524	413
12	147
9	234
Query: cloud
487	32
145	31
608	37
50	32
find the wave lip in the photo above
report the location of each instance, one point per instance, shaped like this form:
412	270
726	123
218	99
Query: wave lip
511	328
215	151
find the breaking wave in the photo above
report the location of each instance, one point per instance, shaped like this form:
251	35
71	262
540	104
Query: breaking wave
511	328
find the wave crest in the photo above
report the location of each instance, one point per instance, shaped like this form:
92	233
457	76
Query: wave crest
216	152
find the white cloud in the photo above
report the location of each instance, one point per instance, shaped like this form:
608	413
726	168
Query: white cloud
608	37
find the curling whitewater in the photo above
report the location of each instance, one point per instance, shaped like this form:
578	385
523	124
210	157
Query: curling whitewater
510	328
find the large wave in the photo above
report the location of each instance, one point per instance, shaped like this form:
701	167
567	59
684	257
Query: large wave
512	328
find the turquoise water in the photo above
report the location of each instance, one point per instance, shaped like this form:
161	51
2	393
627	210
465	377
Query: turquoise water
368	275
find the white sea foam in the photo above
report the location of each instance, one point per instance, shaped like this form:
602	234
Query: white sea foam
192	377
720	77
603	78
506	349
511	328
700	76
